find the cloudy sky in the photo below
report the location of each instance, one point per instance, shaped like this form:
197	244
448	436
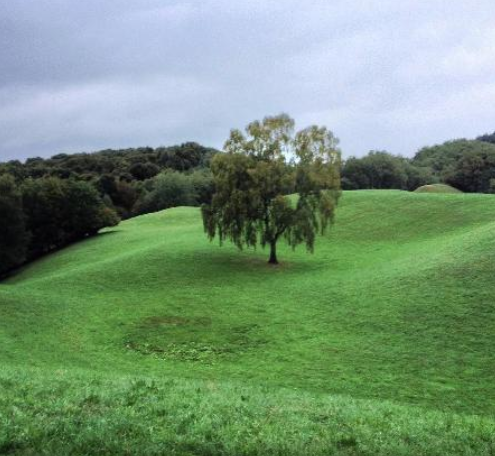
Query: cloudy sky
382	74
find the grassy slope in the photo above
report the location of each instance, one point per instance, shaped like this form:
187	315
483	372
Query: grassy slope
66	414
396	304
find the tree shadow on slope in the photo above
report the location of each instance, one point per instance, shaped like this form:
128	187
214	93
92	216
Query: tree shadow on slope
17	274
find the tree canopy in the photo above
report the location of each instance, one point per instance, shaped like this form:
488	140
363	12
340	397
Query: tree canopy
46	204
41	215
13	234
489	137
117	174
382	170
464	164
61	211
254	177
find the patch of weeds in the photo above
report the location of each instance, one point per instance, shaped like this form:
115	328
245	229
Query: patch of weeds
347	441
191	339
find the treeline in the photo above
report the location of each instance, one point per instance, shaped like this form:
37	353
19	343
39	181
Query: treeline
121	177
46	204
468	165
382	170
41	215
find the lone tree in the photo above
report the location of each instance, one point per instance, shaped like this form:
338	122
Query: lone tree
258	171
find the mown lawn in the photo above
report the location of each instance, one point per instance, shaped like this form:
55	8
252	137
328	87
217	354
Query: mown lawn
396	307
66	414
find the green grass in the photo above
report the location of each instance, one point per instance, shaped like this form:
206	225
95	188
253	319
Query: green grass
69	414
437	188
391	321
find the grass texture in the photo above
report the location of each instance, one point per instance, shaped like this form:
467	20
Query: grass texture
379	343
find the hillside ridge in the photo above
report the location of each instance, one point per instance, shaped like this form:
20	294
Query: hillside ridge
395	304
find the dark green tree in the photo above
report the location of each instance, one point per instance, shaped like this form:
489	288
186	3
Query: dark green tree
442	158
252	180
465	164
377	169
61	211
490	138
44	209
168	189
202	182
13	235
144	170
475	171
84	212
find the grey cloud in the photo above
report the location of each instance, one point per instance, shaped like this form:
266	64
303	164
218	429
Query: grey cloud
381	74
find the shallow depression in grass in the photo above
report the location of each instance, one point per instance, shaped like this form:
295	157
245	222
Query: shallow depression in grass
192	339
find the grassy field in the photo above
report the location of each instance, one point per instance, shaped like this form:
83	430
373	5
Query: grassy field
379	343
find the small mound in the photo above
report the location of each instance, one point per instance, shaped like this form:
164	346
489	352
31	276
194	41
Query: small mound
437	188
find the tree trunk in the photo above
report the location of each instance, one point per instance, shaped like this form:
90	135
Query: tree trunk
273	253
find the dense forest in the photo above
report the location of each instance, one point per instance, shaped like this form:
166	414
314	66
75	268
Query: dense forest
48	203
468	165
123	178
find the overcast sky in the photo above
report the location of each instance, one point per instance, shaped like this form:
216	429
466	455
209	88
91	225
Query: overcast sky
381	74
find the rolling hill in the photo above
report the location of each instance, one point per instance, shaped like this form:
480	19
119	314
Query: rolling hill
391	322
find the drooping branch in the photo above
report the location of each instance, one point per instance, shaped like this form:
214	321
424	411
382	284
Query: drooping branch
252	181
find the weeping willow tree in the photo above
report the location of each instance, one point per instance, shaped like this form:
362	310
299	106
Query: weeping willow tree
255	175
